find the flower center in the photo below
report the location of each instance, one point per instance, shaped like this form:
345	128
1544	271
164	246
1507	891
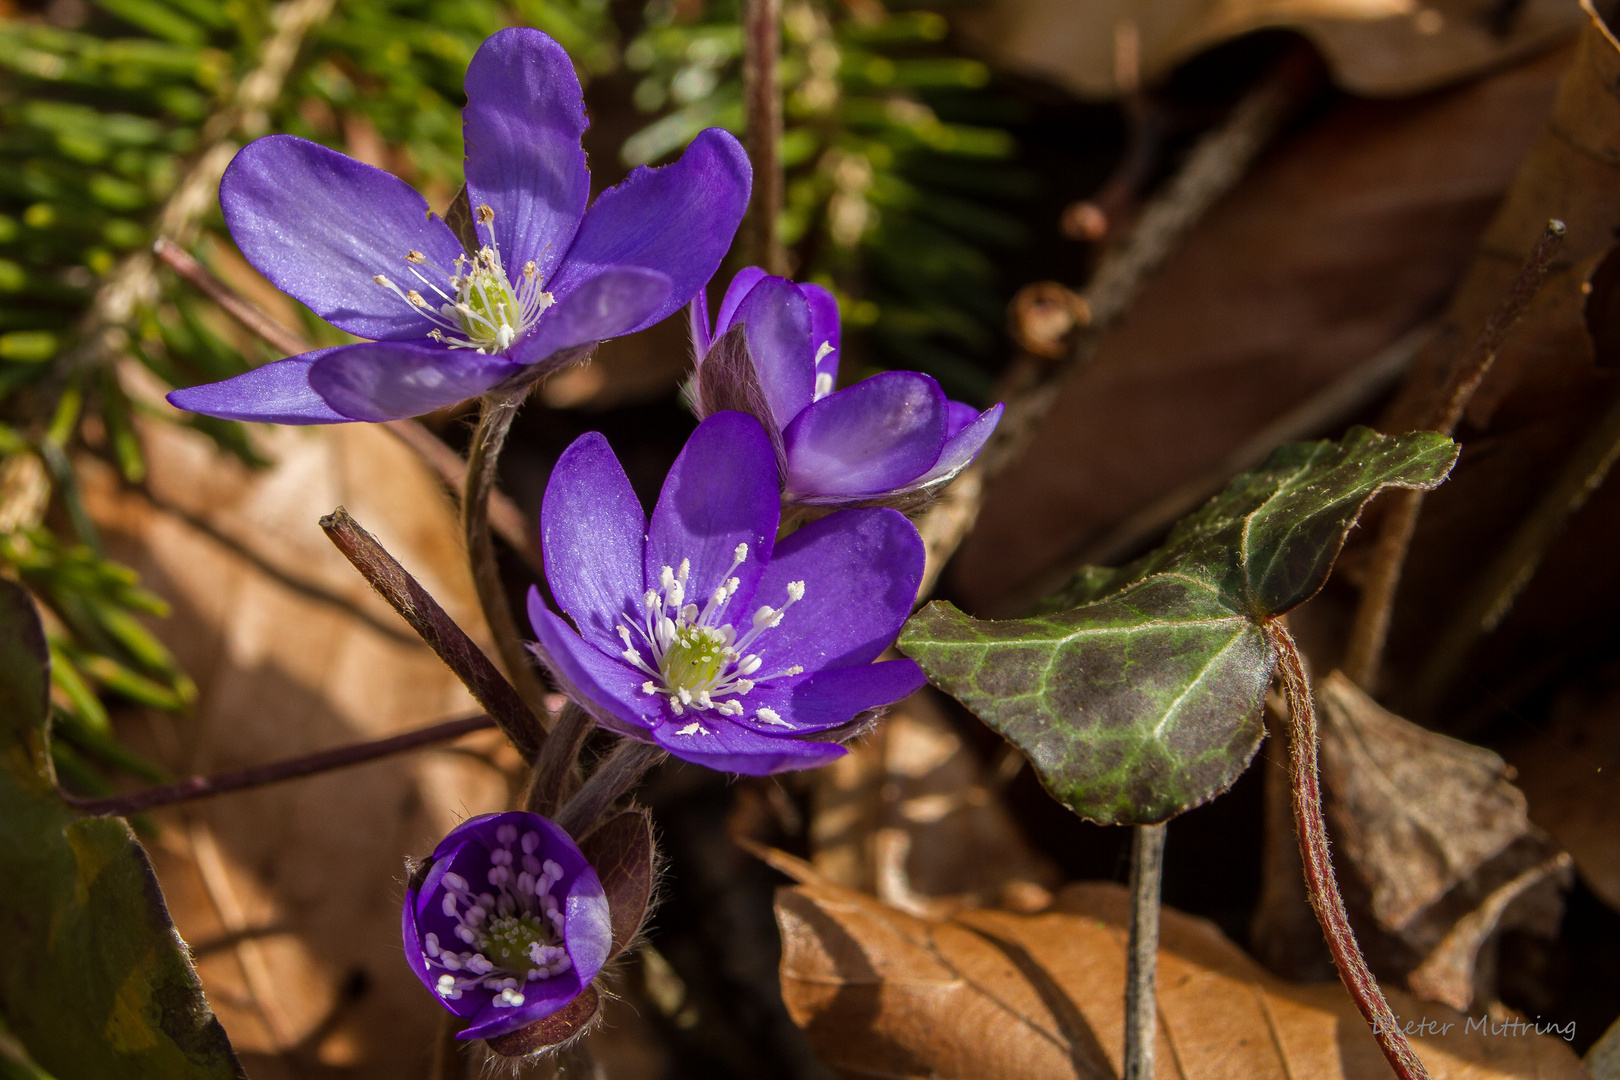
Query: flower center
513	933
696	660
484	310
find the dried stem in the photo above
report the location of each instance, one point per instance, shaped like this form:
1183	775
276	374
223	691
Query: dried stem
1365	650
504	516
1319	879
554	769
448	1062
343	757
494	422
1142	964
1214	167
406	595
616	775
762	45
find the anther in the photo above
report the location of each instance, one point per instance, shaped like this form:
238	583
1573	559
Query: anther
415	256
485	214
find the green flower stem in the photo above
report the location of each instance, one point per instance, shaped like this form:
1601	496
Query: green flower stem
1142	963
555	770
617	774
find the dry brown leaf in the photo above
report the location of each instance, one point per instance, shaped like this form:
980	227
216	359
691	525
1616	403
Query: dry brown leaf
290	893
1438	838
989	995
908	816
1346	237
1378	48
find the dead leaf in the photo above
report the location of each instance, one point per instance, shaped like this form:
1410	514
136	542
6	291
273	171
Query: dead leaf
1346	237
908	816
990	994
290	894
1438	838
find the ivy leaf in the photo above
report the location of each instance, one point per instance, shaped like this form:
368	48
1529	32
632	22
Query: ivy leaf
96	984
1136	692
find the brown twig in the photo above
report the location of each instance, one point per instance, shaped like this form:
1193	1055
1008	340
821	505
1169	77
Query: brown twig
1365	650
615	775
275	772
504	516
1319	880
762	46
1142	964
1213	168
458	651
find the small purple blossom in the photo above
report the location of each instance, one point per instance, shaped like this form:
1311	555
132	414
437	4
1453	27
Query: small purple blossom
508	923
362	250
891	438
696	631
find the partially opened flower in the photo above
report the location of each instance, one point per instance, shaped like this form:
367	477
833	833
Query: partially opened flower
700	634
773	352
507	923
545	278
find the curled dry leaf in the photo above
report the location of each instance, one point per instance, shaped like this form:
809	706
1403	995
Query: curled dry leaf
1439	840
908	816
993	995
290	894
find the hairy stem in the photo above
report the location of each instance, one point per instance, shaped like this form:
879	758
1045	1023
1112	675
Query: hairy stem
458	651
617	774
448	1062
494	422
255	776
1142	964
762	46
1365	650
1319	880
554	769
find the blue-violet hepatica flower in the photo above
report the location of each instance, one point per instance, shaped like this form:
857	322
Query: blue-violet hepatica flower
773	352
695	631
508	923
548	276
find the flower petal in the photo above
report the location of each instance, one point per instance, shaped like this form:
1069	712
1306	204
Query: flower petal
607	305
823	329
740	287
860	569
726	747
277	393
958	415
678	220
321	225
593	534
721	492
777	324
961	448
587	925
390	380
524	118
831	697
608	688
868	438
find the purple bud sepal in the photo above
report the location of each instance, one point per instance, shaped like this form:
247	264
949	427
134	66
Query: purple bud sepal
509	922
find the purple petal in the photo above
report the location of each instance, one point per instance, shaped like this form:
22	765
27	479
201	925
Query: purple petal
823	329
524	118
721	492
740	287
678	220
868	438
608	688
607	305
390	380
777	323
860	570
321	225
593	534
697	318
958	415
832	697
277	393
726	747
961	448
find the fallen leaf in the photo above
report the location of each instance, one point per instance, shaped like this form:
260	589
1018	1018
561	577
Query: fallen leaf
989	995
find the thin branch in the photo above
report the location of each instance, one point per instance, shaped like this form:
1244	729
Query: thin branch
498	409
554	769
1319	879
617	774
1142	964
255	776
1365	649
458	651
504	516
1213	168
762	47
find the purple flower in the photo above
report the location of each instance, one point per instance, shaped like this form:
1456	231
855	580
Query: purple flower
508	923
361	249
692	632
891	438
